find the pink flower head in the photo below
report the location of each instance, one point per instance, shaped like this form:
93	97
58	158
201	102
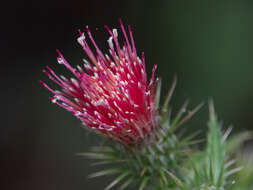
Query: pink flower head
113	95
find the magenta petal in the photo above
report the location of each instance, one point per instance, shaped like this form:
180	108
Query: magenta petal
113	96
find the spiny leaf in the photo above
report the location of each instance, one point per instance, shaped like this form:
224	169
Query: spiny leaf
117	180
211	169
144	183
105	172
215	146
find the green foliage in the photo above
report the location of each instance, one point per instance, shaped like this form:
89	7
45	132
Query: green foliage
214	168
207	169
216	150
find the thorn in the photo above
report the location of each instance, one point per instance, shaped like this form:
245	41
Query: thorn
189	115
170	93
227	133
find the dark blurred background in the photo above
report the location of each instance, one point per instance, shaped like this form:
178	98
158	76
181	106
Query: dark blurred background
207	44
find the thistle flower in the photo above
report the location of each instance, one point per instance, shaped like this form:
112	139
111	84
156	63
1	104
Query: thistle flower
113	96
